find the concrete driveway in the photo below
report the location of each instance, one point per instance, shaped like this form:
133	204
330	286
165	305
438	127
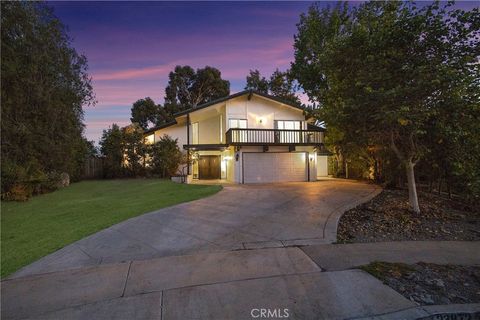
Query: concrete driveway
239	217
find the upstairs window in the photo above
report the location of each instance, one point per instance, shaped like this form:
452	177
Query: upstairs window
288	124
237	123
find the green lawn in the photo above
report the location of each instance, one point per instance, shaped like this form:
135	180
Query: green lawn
46	223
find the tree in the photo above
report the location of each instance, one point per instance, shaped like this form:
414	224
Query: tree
256	82
280	84
385	73
145	112
188	88
111	147
134	149
44	87
92	150
165	156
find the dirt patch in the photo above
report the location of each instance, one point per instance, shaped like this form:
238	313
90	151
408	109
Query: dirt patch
387	218
428	284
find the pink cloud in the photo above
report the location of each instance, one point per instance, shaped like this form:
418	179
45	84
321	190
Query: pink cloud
95	128
232	63
116	90
126	92
134	73
100	124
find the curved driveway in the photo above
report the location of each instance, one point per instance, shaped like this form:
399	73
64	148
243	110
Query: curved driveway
239	217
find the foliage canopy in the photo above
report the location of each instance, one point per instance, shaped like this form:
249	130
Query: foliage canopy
391	75
44	87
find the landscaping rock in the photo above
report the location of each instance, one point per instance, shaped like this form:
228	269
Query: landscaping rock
430	284
64	180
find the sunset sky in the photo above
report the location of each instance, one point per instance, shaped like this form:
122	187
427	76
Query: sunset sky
132	46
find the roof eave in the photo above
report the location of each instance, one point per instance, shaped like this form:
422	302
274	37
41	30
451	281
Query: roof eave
165	125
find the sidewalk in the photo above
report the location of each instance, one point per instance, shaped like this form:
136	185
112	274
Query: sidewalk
228	285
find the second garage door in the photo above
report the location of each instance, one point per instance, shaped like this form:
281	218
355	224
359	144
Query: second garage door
265	167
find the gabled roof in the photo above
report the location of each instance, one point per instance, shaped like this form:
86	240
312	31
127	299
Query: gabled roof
232	96
236	95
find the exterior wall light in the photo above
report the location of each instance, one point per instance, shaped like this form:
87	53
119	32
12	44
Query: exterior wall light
310	157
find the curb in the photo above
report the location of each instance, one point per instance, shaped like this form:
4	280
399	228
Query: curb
331	225
448	311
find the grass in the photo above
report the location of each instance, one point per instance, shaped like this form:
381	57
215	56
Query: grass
46	223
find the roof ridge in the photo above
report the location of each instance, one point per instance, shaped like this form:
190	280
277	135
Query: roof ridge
232	96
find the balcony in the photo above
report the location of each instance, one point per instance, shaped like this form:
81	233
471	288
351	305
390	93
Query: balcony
251	137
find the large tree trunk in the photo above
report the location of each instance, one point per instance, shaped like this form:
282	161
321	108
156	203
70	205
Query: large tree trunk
412	188
409	166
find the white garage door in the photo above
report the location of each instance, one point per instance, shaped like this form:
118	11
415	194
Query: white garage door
264	167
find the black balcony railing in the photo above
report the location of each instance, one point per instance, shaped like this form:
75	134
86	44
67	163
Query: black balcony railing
239	136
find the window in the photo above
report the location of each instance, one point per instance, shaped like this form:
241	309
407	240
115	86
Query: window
195	133
221	128
288	124
288	136
238	136
237	123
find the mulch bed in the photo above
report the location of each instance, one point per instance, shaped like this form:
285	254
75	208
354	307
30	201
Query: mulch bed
387	218
428	284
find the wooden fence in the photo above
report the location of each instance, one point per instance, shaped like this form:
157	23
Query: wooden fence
93	168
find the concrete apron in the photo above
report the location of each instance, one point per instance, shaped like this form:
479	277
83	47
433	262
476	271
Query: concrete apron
228	285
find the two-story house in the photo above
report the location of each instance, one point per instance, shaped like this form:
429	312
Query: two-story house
248	137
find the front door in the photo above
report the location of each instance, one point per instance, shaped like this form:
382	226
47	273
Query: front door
209	167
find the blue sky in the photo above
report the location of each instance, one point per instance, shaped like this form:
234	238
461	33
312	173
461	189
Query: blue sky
132	46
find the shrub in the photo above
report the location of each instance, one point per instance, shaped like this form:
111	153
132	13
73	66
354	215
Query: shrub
18	192
20	183
166	157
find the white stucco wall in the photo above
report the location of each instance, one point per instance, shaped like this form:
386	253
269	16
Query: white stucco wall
178	131
209	130
260	113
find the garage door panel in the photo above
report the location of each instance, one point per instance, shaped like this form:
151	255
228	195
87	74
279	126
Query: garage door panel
268	167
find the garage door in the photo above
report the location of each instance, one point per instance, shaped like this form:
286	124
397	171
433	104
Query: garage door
264	167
